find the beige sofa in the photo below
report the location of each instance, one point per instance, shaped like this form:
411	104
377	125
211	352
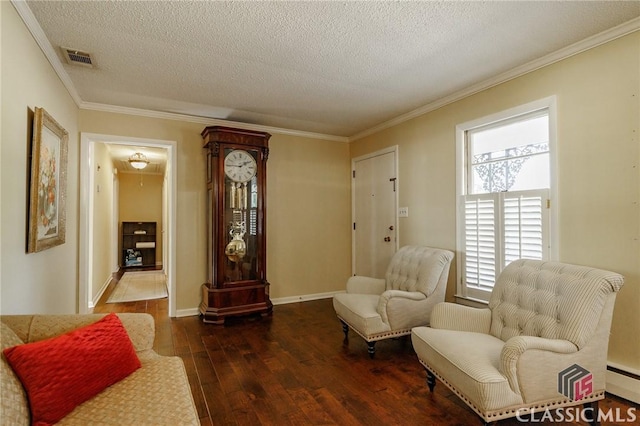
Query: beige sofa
158	393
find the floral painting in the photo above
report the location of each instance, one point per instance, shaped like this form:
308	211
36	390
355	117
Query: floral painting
48	183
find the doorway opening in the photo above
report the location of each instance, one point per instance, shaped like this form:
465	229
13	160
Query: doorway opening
91	145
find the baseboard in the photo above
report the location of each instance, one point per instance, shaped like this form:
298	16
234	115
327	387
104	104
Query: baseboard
624	382
279	301
191	312
304	298
97	297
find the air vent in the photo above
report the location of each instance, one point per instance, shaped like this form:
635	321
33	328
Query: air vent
77	57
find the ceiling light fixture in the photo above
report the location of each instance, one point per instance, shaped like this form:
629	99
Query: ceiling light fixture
138	161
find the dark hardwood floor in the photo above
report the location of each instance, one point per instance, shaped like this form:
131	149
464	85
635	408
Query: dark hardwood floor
293	368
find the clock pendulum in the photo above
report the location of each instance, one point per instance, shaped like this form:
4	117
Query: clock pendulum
237	248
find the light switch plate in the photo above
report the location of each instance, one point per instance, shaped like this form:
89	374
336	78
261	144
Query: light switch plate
403	212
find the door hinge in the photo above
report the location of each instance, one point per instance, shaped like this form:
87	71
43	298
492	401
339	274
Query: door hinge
353	174
354	226
548	203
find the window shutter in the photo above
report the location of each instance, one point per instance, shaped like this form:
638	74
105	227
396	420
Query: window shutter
524	225
500	228
480	240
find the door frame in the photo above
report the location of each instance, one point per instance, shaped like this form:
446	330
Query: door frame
391	149
85	260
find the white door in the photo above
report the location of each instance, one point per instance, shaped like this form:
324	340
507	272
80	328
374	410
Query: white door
374	213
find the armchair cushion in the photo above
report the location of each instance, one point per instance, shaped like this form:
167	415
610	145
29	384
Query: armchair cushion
360	311
472	363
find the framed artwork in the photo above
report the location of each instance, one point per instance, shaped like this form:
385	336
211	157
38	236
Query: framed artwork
48	183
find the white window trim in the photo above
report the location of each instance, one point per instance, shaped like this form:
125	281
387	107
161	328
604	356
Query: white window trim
549	103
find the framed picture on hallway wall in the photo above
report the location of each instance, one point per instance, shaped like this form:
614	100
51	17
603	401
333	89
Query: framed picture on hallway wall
48	183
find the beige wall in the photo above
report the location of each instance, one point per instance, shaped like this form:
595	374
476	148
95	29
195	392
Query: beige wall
141	203
103	229
308	205
598	168
44	282
308	216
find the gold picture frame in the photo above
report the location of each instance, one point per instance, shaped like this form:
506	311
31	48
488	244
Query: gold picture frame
48	183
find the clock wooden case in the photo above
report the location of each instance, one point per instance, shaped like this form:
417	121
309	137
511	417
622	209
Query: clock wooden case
236	224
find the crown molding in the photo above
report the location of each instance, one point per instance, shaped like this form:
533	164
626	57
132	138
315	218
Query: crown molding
574	49
49	52
207	121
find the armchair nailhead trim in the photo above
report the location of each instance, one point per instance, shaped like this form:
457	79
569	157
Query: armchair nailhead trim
512	411
380	336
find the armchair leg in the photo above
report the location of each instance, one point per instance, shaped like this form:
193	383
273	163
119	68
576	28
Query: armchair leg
371	349
431	380
345	330
592	407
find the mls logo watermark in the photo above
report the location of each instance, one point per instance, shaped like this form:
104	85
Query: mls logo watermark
575	382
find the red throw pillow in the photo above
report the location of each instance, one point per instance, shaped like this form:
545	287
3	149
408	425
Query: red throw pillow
62	372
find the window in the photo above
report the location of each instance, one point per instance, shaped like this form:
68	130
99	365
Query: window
505	194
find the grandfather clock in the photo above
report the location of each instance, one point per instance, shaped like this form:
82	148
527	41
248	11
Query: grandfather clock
236	214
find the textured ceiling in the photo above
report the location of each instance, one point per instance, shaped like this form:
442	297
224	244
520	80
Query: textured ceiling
335	68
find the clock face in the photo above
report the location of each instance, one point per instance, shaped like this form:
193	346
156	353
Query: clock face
240	166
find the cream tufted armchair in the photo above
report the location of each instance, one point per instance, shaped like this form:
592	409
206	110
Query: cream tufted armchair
541	343
376	309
